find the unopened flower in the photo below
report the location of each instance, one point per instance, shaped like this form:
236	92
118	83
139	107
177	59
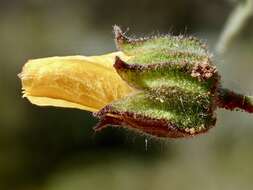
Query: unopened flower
164	86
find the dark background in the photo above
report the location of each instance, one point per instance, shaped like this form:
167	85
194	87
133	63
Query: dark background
56	149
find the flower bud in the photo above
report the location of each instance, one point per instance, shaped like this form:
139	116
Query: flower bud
163	86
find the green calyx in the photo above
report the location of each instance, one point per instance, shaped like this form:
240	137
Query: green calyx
167	74
177	85
177	110
178	44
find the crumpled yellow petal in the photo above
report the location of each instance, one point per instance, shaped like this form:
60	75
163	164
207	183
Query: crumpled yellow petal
83	82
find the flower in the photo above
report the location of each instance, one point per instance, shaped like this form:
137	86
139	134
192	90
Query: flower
163	86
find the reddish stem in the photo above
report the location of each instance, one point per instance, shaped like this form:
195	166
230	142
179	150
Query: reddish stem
230	100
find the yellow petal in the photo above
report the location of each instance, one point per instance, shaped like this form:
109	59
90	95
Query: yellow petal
82	82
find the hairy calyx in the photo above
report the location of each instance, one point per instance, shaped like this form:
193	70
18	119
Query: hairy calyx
178	86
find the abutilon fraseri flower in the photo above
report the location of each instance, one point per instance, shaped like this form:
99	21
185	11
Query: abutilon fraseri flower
163	86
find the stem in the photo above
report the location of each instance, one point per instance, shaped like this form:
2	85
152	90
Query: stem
236	21
230	100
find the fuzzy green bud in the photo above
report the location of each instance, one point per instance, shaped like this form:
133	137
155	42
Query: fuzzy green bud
177	85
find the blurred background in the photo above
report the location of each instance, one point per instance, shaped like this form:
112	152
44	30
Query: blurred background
56	149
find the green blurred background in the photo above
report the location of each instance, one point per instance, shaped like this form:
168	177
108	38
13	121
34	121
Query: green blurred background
56	149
